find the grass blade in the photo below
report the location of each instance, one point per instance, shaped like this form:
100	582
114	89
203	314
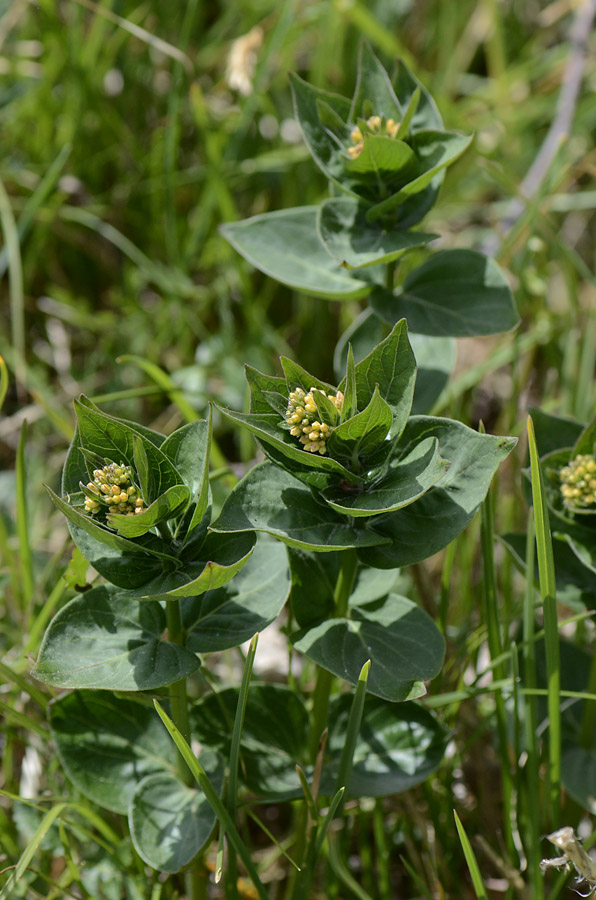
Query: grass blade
29	851
15	280
546	580
471	860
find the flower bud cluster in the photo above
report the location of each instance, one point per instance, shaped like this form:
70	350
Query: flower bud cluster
374	125
578	482
301	416
113	485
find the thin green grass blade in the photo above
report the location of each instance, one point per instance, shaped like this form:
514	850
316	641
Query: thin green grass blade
546	580
214	801
331	812
15	282
338	866
272	838
346	759
495	644
471	860
232	786
416	879
529	787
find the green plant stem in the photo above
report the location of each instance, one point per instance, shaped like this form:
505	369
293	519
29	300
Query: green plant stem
178	700
390	276
322	692
196	878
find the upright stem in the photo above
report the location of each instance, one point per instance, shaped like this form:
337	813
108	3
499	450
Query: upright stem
178	701
341	596
390	275
196	878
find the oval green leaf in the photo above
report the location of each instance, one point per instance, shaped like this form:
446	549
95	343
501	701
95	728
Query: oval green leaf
398	746
403	643
103	640
355	242
170	822
460	293
108	745
249	603
285	245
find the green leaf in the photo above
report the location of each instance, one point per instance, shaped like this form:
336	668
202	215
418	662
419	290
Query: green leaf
374	85
405	483
313	585
382	156
405	85
455	292
425	527
188	450
271	500
361	435
392	366
434	150
75	575
142	466
260	385
107	745
220	558
355	242
404	645
554	432
285	245
167	506
435	360
249	603
170	822
578	774
154	437
105	641
323	146
350	404
435	357
273	739
296	376
125	570
586	441
397	747
404	125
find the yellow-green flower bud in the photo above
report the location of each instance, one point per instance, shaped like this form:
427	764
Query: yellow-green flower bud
301	418
577	486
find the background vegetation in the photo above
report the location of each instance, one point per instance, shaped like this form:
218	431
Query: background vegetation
122	148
